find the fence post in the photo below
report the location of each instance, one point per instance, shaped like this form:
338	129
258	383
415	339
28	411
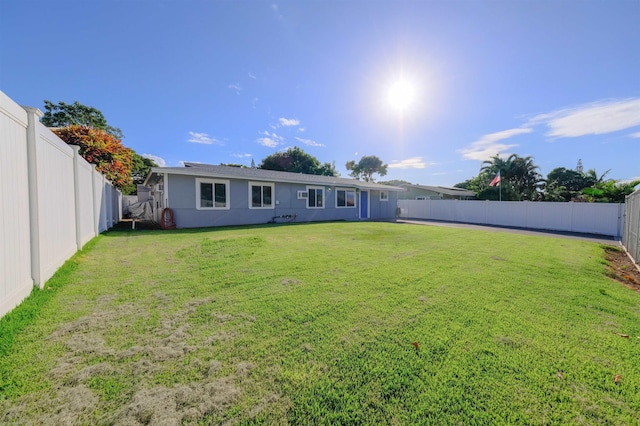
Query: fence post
96	205
570	216
76	192
33	115
621	211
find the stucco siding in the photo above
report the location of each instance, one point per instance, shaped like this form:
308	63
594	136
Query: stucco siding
182	201
383	210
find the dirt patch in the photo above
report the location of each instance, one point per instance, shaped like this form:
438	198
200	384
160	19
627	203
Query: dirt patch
162	405
290	281
621	268
95	363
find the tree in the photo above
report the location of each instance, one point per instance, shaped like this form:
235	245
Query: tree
240	166
565	184
593	177
102	149
609	191
476	184
366	167
297	161
395	182
63	115
519	173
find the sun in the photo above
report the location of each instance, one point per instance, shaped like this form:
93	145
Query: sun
401	95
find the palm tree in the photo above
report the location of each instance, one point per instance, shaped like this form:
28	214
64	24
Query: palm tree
520	172
592	176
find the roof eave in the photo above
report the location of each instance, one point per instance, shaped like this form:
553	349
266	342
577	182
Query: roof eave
202	171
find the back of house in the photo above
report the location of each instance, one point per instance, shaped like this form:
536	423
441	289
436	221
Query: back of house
201	195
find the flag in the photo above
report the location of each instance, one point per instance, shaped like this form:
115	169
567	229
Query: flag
496	180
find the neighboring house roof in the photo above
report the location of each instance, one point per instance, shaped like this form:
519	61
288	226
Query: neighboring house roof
457	192
230	172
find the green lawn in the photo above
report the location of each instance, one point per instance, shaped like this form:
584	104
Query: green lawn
316	324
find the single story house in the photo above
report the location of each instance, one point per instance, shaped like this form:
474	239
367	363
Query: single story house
424	192
202	195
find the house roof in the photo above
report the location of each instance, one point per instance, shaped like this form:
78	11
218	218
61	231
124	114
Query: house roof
230	172
442	190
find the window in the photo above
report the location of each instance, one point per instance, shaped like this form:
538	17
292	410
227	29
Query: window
421	197
384	195
345	198
316	197
212	194
261	195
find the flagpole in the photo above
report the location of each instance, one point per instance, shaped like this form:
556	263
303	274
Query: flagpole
500	184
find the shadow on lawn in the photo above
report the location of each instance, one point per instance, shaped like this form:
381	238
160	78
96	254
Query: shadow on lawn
151	228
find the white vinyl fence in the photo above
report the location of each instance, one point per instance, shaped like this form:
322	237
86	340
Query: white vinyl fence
588	218
51	202
631	236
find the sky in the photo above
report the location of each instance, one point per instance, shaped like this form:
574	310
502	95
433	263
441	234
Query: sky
433	87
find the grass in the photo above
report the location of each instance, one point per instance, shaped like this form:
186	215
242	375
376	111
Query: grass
332	323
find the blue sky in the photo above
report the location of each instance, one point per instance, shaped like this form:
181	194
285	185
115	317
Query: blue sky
228	82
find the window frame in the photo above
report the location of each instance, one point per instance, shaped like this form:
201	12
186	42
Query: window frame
315	198
385	197
346	190
262	185
213	183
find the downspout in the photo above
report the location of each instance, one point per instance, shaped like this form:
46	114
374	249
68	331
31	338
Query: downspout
165	193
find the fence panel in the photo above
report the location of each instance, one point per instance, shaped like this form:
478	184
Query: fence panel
551	216
631	237
591	218
52	202
86	228
588	218
56	201
15	246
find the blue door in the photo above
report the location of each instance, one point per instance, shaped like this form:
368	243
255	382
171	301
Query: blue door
364	204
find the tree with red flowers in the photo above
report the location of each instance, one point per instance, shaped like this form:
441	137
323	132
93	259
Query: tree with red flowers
101	148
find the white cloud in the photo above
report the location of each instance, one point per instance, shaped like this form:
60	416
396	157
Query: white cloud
591	119
244	155
251	76
202	138
158	160
235	87
301	129
310	142
623	181
635	135
489	145
409	163
268	142
287	122
273	136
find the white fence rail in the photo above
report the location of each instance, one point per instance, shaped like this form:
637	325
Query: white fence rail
631	235
51	202
588	218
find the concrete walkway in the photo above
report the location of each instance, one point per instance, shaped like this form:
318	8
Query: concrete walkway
601	239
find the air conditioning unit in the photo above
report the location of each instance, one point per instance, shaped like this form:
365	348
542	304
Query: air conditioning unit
160	187
303	195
